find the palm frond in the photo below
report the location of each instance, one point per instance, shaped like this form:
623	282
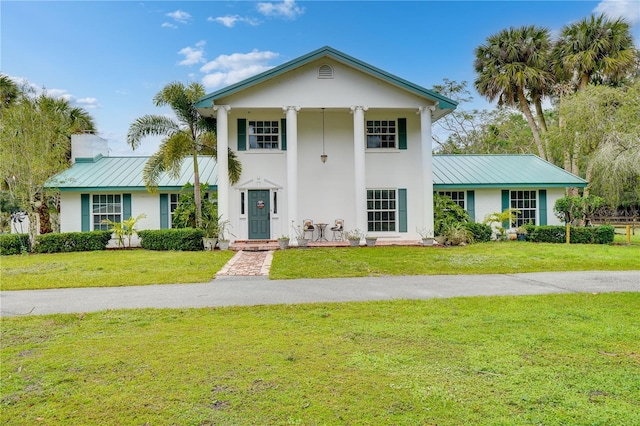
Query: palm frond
150	125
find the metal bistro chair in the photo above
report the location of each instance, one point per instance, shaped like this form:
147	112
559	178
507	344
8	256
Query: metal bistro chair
307	226
338	230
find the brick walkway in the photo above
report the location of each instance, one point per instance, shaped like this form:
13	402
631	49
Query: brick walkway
247	264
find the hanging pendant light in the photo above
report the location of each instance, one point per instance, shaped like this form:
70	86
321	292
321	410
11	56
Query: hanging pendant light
324	156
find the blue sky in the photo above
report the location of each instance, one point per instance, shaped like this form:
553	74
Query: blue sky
112	57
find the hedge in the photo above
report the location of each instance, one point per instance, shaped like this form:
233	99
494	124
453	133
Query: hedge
72	241
183	239
578	234
14	244
481	231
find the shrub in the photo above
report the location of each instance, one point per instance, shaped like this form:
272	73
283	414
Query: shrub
72	241
455	234
579	234
447	212
183	239
14	244
481	231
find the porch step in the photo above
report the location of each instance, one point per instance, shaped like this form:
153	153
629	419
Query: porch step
254	245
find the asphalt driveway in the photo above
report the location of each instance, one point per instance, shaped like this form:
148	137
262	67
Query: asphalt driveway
262	291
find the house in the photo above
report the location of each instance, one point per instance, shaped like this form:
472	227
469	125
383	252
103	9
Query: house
322	137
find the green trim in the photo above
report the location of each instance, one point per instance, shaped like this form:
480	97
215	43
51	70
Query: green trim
85	215
402	210
103	189
444	103
242	134
283	132
164	211
444	186
471	205
542	206
88	159
126	206
505	205
402	133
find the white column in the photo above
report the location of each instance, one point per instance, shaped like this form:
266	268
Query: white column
223	159
291	113
427	164
359	169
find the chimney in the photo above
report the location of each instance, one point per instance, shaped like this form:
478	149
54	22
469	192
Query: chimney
88	146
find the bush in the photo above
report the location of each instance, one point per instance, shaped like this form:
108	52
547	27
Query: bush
14	244
72	241
481	231
455	234
183	239
579	235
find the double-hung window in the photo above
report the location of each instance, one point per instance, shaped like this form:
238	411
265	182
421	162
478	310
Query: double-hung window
106	207
264	134
381	134
456	196
381	210
526	202
174	199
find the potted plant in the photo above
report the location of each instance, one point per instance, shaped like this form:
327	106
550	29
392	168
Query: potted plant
223	240
302	241
508	216
426	235
370	240
210	230
354	237
283	241
521	233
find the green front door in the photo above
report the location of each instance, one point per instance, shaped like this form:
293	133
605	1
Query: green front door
259	215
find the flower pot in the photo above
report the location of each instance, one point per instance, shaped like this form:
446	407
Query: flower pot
209	243
427	241
223	244
371	241
283	244
522	237
354	243
302	242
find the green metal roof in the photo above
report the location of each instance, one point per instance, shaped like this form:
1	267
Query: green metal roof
499	171
125	174
443	102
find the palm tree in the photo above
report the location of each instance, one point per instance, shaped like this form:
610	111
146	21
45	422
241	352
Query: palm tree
595	49
512	64
8	91
188	134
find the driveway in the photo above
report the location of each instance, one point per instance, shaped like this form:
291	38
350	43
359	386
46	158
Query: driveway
244	291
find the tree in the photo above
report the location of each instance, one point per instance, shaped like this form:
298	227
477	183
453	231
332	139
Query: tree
513	64
8	92
188	134
35	141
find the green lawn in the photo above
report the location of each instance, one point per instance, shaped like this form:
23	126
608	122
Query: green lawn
140	267
532	360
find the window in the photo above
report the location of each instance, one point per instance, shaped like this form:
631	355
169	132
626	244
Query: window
107	206
456	196
381	210
525	201
263	134
381	133
173	203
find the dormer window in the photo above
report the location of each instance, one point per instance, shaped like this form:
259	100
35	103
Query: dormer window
325	71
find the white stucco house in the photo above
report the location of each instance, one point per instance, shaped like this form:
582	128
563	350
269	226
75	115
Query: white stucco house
322	137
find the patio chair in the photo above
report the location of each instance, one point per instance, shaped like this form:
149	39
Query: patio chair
307	226
338	230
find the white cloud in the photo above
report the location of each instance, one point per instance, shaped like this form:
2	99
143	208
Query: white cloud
229	69
286	9
88	103
193	55
168	25
627	9
230	20
179	16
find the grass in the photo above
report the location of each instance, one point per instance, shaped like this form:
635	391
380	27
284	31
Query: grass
109	268
552	360
484	258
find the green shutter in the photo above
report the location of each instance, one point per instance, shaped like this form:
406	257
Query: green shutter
85	209
471	205
402	133
242	134
283	125
505	206
402	210
126	206
542	200
164	211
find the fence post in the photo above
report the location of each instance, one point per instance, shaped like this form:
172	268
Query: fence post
568	233
628	234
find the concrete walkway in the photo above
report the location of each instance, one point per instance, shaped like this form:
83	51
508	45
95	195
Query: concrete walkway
259	290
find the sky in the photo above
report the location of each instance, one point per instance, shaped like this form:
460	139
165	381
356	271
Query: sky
112	57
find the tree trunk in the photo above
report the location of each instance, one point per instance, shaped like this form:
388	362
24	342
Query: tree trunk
587	177
196	189
524	105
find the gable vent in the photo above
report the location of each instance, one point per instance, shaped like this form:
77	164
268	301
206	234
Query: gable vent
325	71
